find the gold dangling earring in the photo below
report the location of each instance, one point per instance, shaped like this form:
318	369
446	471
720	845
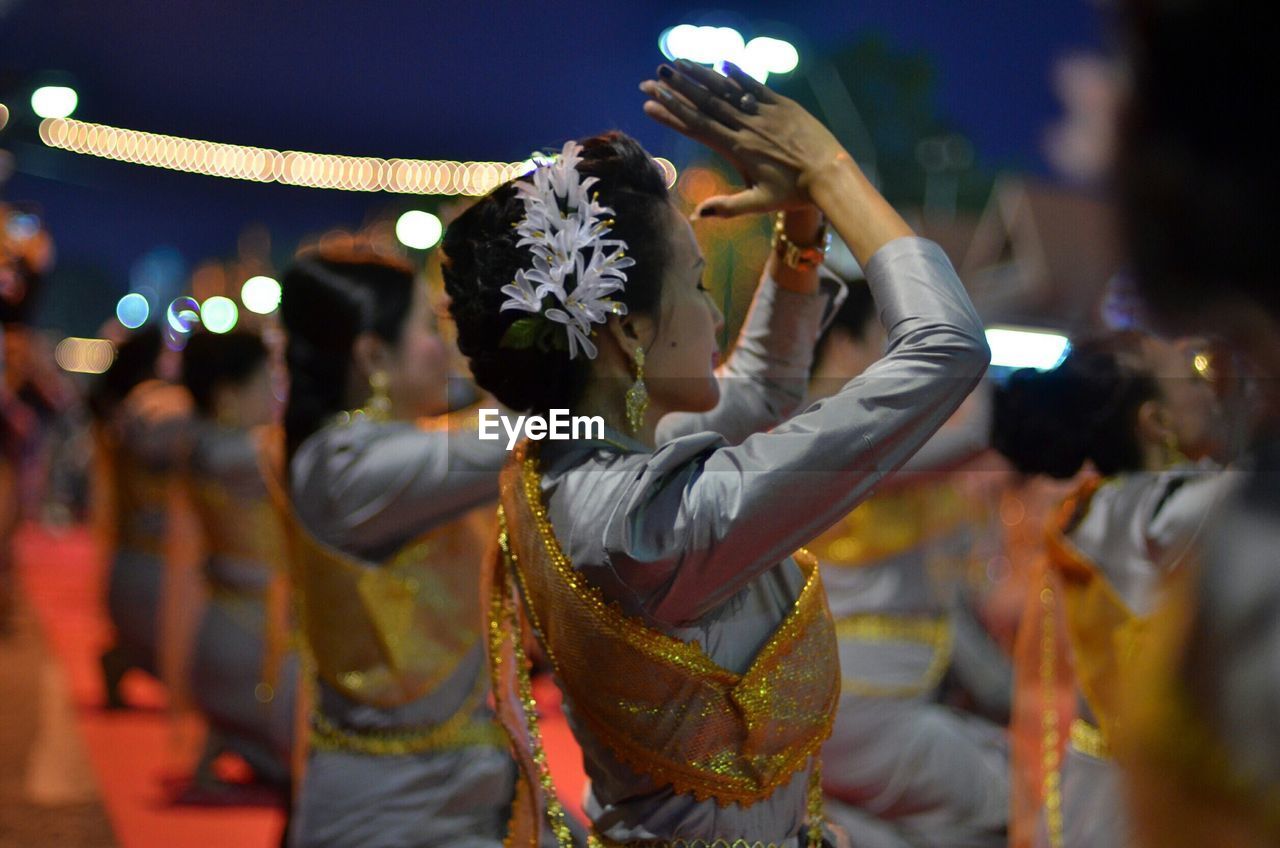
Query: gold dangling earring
637	395
378	407
1173	454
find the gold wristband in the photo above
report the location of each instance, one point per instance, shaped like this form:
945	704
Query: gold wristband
800	257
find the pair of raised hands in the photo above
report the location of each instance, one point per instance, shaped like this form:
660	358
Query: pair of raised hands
777	147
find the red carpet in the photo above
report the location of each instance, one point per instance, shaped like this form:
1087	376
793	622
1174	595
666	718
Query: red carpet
138	755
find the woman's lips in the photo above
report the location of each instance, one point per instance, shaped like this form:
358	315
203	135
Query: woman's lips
715	360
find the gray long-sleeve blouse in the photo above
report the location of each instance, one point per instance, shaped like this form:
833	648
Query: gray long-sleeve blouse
696	536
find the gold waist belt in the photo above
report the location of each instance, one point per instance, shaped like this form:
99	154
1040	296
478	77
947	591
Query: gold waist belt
1088	740
933	631
600	842
451	735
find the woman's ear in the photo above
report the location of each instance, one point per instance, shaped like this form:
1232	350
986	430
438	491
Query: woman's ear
370	353
1155	426
632	331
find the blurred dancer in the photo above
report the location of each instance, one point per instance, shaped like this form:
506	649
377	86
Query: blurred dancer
239	679
1198	185
141	432
1136	409
902	769
30	387
403	749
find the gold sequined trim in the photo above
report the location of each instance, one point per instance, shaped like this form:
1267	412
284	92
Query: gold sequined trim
600	842
813	833
932	631
461	730
504	627
1088	739
1052	788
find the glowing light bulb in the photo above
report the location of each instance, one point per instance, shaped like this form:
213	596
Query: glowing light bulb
133	310
418	229
54	101
219	314
260	295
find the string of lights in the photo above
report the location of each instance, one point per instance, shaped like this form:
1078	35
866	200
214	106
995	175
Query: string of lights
290	167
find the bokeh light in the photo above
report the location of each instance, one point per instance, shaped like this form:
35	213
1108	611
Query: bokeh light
133	310
709	45
219	314
54	101
291	167
261	295
418	229
669	171
183	314
4	115
84	356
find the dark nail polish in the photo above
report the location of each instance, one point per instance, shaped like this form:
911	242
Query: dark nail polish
665	72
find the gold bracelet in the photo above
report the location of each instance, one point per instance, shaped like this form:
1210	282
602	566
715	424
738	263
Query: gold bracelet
800	257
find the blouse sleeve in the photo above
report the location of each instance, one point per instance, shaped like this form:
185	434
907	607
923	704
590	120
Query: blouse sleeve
765	378
1183	512
364	487
965	435
700	520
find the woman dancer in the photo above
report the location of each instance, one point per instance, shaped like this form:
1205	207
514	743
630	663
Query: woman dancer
1135	408
141	434
1198	192
403	751
696	655
901	768
238	679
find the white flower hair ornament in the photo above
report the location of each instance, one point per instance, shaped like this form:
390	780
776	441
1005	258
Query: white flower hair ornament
575	268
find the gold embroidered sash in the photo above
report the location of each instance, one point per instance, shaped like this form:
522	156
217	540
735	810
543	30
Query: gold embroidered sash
1103	632
387	635
661	705
891	523
242	529
137	491
1186	788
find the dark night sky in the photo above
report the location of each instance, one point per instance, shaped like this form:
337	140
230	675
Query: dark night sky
434	80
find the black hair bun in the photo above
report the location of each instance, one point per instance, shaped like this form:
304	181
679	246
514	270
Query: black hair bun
481	257
1052	422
